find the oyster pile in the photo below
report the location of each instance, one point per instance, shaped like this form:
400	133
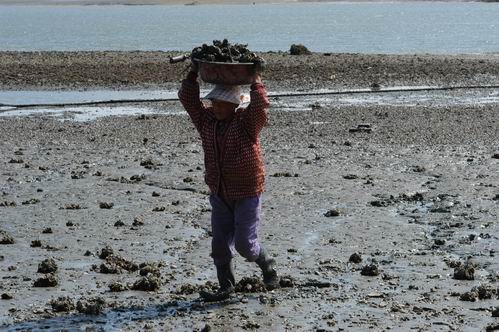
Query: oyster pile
223	51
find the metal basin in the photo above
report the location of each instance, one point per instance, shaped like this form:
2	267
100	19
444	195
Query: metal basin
226	72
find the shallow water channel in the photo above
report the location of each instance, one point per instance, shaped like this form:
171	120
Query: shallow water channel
49	103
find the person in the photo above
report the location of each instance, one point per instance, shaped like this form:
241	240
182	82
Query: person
234	173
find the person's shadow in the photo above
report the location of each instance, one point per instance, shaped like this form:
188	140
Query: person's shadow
113	319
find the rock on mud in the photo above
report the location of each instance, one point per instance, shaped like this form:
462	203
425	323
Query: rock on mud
482	292
492	327
464	272
316	283
287	281
116	286
36	243
333	213
187	289
48	280
92	306
7	296
115	263
150	268
206	328
62	304
148	283
119	223
72	206
6	238
123	263
106	251
107	268
47	266
138	221
250	285
48	230
355	258
370	270
106	205
299	49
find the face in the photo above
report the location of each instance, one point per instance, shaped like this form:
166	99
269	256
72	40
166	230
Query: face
222	109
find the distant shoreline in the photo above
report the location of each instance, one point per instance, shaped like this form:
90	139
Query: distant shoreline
137	70
198	2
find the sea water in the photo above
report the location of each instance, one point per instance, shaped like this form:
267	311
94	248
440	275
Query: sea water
395	28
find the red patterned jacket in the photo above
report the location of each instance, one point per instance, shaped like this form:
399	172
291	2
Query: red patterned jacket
239	171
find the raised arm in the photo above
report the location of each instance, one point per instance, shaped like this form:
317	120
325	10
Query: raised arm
255	116
189	97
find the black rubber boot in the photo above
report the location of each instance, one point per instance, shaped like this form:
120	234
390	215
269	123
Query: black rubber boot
267	264
226	280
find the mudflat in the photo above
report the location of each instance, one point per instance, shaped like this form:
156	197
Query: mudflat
121	70
379	216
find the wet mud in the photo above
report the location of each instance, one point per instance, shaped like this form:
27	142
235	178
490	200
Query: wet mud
394	228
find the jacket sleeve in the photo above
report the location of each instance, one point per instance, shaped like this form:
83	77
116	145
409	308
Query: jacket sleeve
255	116
189	97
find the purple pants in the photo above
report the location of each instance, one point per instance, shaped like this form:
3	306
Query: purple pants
234	225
